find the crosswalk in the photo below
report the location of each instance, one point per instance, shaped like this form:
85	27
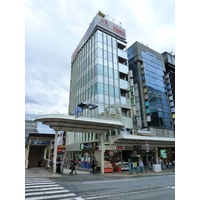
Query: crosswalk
44	188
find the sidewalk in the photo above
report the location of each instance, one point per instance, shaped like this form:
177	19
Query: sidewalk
40	172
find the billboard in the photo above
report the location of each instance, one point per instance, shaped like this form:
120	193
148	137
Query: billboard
105	24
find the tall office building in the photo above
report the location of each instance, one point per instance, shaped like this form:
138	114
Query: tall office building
153	111
99	72
169	61
100	75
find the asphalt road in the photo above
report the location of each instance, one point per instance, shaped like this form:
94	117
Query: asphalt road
101	187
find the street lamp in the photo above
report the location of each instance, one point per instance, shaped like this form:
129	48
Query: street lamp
82	106
86	105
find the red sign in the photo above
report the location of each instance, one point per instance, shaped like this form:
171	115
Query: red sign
60	150
117	30
120	147
105	22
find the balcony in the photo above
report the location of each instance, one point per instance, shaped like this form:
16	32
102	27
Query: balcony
121	45
124	84
122	56
125	102
123	68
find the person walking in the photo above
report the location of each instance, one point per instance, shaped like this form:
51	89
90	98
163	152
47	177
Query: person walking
75	166
51	166
141	164
58	165
72	167
92	166
159	161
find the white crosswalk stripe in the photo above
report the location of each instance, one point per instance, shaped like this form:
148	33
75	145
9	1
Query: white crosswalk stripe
43	188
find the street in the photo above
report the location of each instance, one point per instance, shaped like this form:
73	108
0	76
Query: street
161	186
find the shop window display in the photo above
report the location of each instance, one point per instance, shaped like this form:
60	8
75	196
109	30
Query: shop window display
108	167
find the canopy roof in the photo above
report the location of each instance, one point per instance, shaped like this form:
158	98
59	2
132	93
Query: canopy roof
140	140
61	122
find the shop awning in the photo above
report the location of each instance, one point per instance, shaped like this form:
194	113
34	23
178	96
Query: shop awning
61	122
140	140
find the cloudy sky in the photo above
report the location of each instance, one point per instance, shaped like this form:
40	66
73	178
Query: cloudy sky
54	28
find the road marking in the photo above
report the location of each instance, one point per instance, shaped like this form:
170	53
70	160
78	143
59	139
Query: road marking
44	189
39	186
36	179
173	187
92	182
127	193
74	198
52	196
48	192
40	181
46	183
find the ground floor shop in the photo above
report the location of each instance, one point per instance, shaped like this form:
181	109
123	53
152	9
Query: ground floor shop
116	157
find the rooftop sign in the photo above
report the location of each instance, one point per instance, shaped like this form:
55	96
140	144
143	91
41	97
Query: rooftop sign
105	24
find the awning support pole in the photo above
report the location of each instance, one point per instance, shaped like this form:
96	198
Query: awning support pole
102	153
55	151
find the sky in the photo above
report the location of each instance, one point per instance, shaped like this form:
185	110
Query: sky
53	30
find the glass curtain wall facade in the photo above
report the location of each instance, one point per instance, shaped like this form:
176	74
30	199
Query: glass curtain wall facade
98	77
99	74
151	80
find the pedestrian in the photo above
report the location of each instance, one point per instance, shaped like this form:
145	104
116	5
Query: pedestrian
75	166
58	165
140	164
92	166
39	163
150	166
51	166
159	161
72	167
170	165
166	163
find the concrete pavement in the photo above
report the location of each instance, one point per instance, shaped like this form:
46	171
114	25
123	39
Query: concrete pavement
40	172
